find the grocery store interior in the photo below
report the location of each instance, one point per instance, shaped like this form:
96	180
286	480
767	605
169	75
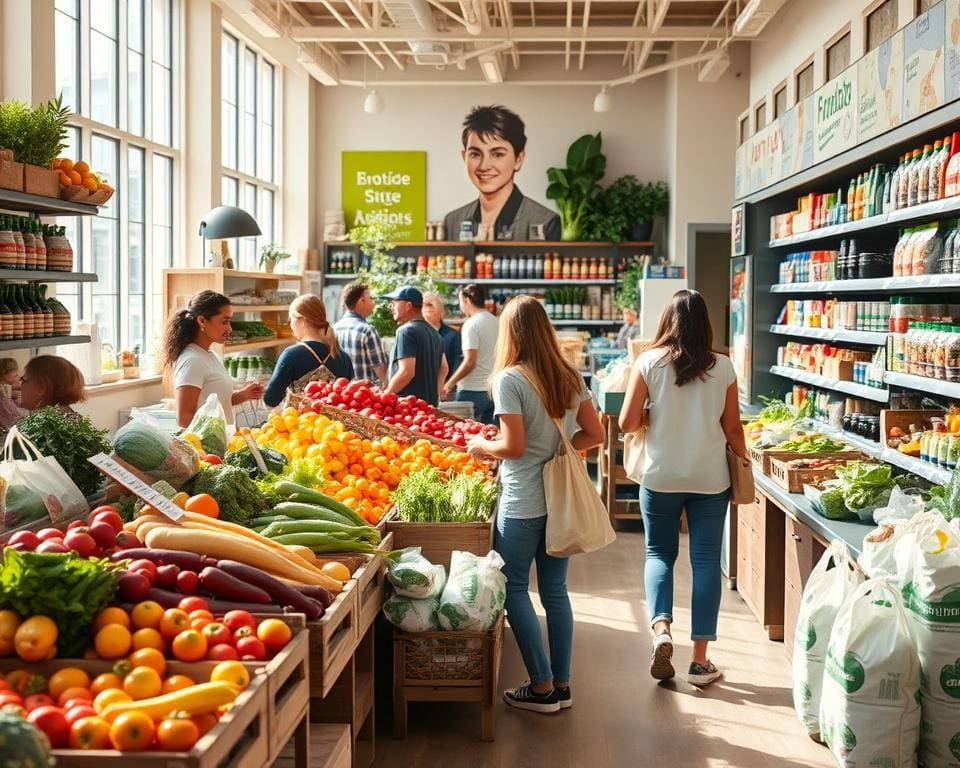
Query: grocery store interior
199	198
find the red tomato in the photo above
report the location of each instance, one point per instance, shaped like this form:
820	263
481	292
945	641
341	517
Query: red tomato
79	712
252	646
28	538
53	722
8	697
243	632
340	384
187	582
128	540
191	604
236	619
146	567
107	515
80	542
74	524
37	700
223	652
212	459
217	633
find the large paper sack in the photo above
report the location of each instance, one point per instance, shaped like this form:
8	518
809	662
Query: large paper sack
475	592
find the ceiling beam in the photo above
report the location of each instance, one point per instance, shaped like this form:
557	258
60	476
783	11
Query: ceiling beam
586	23
566	58
518	35
346	28
654	26
638	14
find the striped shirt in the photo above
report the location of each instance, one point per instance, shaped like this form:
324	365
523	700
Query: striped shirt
361	343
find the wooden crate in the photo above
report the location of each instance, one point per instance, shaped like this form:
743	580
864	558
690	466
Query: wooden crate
903	419
763	456
447	666
329	747
239	740
371	580
333	639
437	541
793	479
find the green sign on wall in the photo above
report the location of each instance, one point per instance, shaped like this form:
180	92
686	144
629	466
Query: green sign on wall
389	187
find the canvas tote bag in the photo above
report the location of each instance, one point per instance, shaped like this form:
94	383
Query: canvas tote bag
742	487
577	520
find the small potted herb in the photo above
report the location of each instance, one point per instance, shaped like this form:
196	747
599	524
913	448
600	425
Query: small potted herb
652	201
35	136
271	255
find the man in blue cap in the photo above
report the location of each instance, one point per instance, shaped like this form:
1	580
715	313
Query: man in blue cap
417	364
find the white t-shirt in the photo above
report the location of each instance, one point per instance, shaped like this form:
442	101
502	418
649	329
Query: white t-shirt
685	448
197	367
480	333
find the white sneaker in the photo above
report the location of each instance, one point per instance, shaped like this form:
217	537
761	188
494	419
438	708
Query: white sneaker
661	664
702	675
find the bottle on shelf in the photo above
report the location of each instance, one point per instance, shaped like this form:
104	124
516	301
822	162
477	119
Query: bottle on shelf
21	261
6	316
8	246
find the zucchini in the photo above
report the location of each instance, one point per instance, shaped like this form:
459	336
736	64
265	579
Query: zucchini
263	522
303	511
366	533
298	493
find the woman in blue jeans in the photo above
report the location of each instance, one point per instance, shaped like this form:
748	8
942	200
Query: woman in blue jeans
685	395
535	391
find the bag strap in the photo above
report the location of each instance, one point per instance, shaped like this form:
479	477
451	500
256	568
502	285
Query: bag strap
564	444
16	439
315	355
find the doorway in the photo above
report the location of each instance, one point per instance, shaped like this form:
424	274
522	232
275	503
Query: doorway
708	271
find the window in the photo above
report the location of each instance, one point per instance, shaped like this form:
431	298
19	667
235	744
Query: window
805	82
248	152
881	23
743	129
925	5
780	101
838	56
115	67
760	116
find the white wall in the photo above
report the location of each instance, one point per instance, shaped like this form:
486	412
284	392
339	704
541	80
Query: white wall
429	118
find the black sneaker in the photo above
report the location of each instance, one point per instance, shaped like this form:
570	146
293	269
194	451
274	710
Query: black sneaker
661	664
566	698
702	675
524	697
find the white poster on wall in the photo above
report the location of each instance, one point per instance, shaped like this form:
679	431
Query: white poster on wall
880	88
952	53
836	118
923	63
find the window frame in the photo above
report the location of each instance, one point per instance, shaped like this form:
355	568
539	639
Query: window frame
743	128
868	12
832	43
760	108
781	88
808	65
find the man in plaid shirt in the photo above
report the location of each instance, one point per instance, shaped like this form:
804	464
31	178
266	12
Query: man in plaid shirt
358	339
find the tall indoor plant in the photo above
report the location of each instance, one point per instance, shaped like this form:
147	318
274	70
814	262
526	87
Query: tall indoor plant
574	186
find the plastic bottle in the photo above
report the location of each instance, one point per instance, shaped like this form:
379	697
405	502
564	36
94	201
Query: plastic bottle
923	174
953	355
935	170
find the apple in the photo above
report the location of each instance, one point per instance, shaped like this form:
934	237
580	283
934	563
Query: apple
53	722
217	634
187	582
236	619
49	533
108	516
146	567
28	538
103	534
53	545
80	542
223	652
167	575
128	540
37	700
252	646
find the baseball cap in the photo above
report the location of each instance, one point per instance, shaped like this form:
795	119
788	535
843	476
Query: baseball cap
406	293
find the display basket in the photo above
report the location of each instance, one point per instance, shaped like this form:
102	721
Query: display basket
793	478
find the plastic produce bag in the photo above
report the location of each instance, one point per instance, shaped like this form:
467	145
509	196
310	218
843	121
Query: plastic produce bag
869	711
475	592
826	591
35	487
901	506
412	575
142	443
210	424
928	562
878	557
412	615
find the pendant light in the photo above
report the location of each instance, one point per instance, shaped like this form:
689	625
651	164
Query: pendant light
373	104
602	101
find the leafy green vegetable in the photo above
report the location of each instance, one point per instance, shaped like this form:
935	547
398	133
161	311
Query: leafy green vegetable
865	485
72	439
212	431
833	507
775	411
305	472
812	444
428	496
239	497
126	507
275	461
946	499
69	589
576	185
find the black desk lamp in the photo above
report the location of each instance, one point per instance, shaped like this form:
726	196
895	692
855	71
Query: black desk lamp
226	221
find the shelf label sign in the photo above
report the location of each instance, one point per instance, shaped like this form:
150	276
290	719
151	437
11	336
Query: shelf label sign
115	470
836	115
880	83
386	187
952	52
923	63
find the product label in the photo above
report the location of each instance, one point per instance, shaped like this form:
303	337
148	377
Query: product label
114	469
923	63
945	610
849	674
880	84
950	679
836	115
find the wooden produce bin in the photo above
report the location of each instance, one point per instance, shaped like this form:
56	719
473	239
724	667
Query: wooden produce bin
447	666
329	748
760	553
438	541
762	457
802	551
333	639
792	479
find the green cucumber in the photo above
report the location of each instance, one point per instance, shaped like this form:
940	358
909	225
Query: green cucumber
303	511
366	533
298	493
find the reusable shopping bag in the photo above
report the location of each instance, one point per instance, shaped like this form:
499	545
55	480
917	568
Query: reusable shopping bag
210	424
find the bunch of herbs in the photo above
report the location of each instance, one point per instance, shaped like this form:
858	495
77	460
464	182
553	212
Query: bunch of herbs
429	496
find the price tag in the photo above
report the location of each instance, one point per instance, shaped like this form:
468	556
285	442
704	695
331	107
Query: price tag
115	471
255	450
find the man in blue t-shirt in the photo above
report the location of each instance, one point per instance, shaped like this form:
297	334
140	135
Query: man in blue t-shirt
417	363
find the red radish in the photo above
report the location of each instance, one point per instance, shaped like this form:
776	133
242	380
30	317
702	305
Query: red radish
108	516
133	586
146	567
223	652
128	540
49	533
74	524
28	538
81	543
103	533
187	582
53	545
167	576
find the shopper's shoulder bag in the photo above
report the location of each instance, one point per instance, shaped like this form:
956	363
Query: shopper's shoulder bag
742	487
320	373
577	520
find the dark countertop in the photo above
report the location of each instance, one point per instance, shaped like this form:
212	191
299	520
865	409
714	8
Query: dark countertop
798	507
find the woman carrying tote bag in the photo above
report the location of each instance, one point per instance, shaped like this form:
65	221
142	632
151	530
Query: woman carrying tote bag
693	415
529	362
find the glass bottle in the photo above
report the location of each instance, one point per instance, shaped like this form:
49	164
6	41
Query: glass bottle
26	309
29	248
6	316
62	323
40	298
40	247
21	248
8	246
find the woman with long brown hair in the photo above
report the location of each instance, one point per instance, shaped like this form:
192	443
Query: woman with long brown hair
317	345
535	393
685	395
196	371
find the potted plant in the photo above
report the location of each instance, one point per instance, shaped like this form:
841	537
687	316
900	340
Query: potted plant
626	210
35	136
628	289
652	200
575	186
271	255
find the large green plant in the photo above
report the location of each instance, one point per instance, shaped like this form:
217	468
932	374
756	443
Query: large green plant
628	289
574	187
383	275
653	201
616	209
36	135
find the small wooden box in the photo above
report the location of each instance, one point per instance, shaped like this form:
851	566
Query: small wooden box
41	181
792	479
11	175
333	639
438	541
763	456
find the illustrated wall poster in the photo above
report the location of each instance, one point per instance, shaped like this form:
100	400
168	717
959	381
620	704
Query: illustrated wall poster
923	63
386	186
880	88
836	116
952	54
738	232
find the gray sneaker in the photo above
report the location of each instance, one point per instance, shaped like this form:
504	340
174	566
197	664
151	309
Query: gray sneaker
661	664
702	675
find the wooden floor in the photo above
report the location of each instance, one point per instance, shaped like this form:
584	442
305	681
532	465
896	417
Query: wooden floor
620	716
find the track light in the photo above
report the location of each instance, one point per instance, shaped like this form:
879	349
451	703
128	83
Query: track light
373	104
602	102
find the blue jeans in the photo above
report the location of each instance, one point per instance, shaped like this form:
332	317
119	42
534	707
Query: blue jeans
520	543
706	513
482	404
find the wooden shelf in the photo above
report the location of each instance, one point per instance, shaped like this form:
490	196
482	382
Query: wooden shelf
237	274
46	341
52	206
47	276
251	345
260	308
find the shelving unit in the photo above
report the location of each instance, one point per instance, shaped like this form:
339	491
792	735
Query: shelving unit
252	345
876	394
926	283
922	384
831	334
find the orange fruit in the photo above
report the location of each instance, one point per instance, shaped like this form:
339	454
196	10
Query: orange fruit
90	733
148	638
64	179
66	678
231	672
91	183
189	645
113	641
173	622
204	721
149	657
112	614
335	570
105	682
143	683
66	165
274	633
81	167
177	683
75	178
110	696
203	504
146	615
132	732
55	163
177	735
